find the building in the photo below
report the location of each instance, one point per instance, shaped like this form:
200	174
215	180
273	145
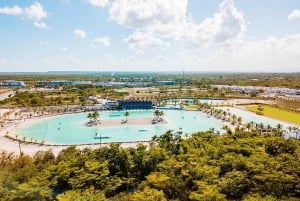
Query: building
53	83
82	83
135	104
13	83
112	104
167	82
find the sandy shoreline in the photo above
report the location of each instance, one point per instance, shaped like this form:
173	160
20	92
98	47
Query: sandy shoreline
29	148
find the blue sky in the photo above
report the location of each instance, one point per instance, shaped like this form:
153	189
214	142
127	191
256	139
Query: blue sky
150	35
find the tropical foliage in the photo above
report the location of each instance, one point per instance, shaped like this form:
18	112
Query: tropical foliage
244	165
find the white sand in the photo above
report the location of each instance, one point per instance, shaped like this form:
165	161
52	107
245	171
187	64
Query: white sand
130	122
30	149
9	145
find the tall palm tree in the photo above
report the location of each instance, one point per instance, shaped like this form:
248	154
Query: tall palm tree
156	113
90	116
248	126
233	117
239	119
251	124
269	128
224	114
161	113
95	116
279	130
225	127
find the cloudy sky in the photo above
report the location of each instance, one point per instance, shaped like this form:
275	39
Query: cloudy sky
150	35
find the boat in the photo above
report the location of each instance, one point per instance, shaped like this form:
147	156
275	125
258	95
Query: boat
101	137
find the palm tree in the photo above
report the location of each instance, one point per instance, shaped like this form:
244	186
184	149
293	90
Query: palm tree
126	115
225	127
248	126
224	114
161	113
260	126
251	124
239	119
156	113
95	116
269	128
279	130
234	117
90	116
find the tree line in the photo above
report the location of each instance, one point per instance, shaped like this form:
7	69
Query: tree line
245	165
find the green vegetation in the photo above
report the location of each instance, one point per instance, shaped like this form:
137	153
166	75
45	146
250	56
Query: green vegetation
78	96
276	113
237	166
199	79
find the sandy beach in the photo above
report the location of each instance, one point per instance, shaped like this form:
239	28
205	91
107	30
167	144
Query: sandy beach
10	145
29	148
129	122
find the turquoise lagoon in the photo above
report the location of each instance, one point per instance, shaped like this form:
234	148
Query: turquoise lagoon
71	129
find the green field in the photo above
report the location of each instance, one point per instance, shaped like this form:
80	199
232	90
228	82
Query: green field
276	113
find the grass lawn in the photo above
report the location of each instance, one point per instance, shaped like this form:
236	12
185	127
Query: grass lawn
276	113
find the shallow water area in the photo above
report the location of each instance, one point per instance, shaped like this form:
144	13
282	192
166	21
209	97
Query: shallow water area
72	129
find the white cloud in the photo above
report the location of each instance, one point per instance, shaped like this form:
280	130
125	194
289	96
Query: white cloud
79	33
64	49
166	17
99	3
35	12
16	10
40	24
169	19
144	41
270	54
102	41
226	26
294	15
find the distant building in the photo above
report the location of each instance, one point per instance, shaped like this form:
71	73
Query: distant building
13	83
53	83
111	84
82	83
167	82
135	104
